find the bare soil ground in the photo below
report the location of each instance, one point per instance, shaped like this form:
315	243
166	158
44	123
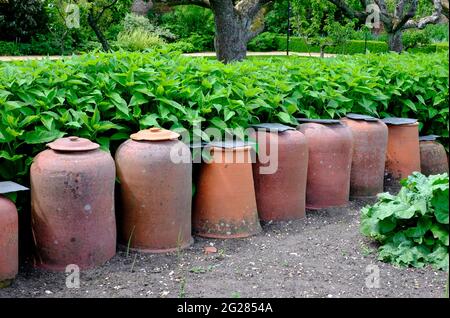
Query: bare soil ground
321	256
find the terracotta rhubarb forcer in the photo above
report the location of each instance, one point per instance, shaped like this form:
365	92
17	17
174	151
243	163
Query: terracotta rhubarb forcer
370	137
330	145
280	194
225	203
403	151
9	240
433	158
156	191
9	235
72	202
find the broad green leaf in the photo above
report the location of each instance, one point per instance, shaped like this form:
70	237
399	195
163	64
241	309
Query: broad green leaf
40	136
173	103
120	103
219	123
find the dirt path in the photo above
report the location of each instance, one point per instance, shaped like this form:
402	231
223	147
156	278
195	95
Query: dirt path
30	57
322	256
274	53
200	54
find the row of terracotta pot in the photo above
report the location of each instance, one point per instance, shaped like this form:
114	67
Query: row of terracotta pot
320	163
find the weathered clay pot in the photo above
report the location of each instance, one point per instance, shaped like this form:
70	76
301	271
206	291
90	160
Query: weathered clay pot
280	194
330	147
156	191
225	203
9	234
72	202
9	242
403	152
370	137
433	158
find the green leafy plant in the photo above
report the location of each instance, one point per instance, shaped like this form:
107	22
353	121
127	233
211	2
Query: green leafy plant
186	20
415	38
412	227
181	46
134	22
138	40
264	42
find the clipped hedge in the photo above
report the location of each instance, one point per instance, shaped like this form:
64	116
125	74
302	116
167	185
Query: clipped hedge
298	44
351	47
441	47
105	97
431	48
13	48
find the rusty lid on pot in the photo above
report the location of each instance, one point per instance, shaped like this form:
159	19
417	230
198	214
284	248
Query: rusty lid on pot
155	134
361	117
273	126
73	144
399	121
429	138
319	121
9	186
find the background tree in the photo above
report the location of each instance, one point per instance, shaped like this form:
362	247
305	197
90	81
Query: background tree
21	19
236	23
395	15
96	12
445	8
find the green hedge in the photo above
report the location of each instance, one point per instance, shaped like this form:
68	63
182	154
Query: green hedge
14	49
352	47
441	47
431	48
105	97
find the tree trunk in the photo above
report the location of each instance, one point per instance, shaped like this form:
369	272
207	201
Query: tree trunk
395	41
93	24
322	51
232	32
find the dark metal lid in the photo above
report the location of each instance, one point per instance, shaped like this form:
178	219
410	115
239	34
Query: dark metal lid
231	144
429	138
361	117
73	144
399	121
197	145
273	126
9	186
319	121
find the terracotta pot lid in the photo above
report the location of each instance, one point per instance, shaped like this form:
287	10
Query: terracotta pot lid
231	144
319	121
273	126
154	134
399	121
429	138
9	186
73	144
361	117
